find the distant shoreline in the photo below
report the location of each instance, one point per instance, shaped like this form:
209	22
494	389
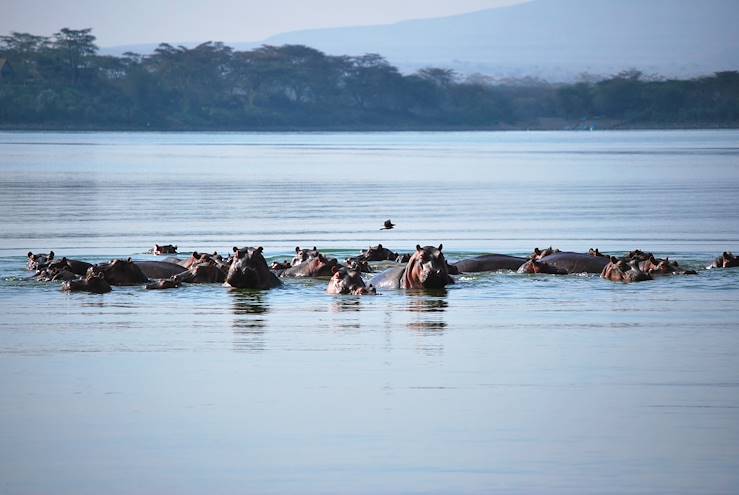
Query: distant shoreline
598	126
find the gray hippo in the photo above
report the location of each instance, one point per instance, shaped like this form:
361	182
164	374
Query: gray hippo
75	266
619	270
563	263
302	255
93	282
159	269
427	269
249	270
347	281
375	253
489	263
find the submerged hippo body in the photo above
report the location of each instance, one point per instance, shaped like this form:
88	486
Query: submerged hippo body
563	263
427	269
346	281
75	266
489	263
93	282
120	272
249	270
160	269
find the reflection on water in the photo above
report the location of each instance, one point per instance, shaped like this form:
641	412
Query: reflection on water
249	308
428	308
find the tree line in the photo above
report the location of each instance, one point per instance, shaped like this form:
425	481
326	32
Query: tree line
63	81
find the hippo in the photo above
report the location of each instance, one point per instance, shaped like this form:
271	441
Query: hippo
596	252
376	253
249	270
75	266
619	270
159	269
120	272
541	253
168	249
94	282
348	281
565	262
427	269
319	266
359	265
196	258
726	260
56	272
489	263
276	265
403	258
536	266
39	261
165	283
302	255
205	273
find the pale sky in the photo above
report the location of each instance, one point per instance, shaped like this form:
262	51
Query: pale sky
124	22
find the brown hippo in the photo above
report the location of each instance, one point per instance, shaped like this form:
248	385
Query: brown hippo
541	253
596	252
489	263
165	283
347	281
302	255
168	249
120	272
40	260
208	272
403	258
276	265
536	266
160	269
618	270
318	266
93	282
565	263
75	266
249	270
726	260
359	265
427	269
196	258
57	272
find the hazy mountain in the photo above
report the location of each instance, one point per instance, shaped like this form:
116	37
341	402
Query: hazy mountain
553	39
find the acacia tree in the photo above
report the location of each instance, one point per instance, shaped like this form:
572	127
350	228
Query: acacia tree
74	49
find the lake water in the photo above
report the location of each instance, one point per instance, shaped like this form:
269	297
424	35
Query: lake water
501	384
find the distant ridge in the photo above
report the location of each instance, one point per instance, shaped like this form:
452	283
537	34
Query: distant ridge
552	39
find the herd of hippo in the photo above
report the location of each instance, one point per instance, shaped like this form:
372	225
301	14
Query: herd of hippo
425	268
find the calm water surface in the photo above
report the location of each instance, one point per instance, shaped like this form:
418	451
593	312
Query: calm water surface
500	384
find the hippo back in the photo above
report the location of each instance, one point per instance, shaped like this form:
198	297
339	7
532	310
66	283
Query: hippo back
576	262
489	263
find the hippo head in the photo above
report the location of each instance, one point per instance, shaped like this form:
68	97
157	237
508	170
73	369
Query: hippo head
94	282
635	273
120	272
168	249
249	270
614	270
302	255
728	260
276	265
39	261
320	266
207	272
347	281
427	269
536	266
378	253
172	282
595	252
359	265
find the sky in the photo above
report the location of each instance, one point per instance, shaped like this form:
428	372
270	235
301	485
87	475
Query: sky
153	21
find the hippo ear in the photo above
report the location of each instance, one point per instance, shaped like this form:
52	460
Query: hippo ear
129	260
196	255
175	247
418	247
30	254
157	246
314	248
235	249
379	246
64	259
238	254
441	246
215	253
51	255
614	259
297	249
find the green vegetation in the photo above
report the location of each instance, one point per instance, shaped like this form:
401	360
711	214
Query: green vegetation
62	82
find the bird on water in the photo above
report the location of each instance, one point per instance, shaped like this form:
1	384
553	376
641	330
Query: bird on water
388	225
